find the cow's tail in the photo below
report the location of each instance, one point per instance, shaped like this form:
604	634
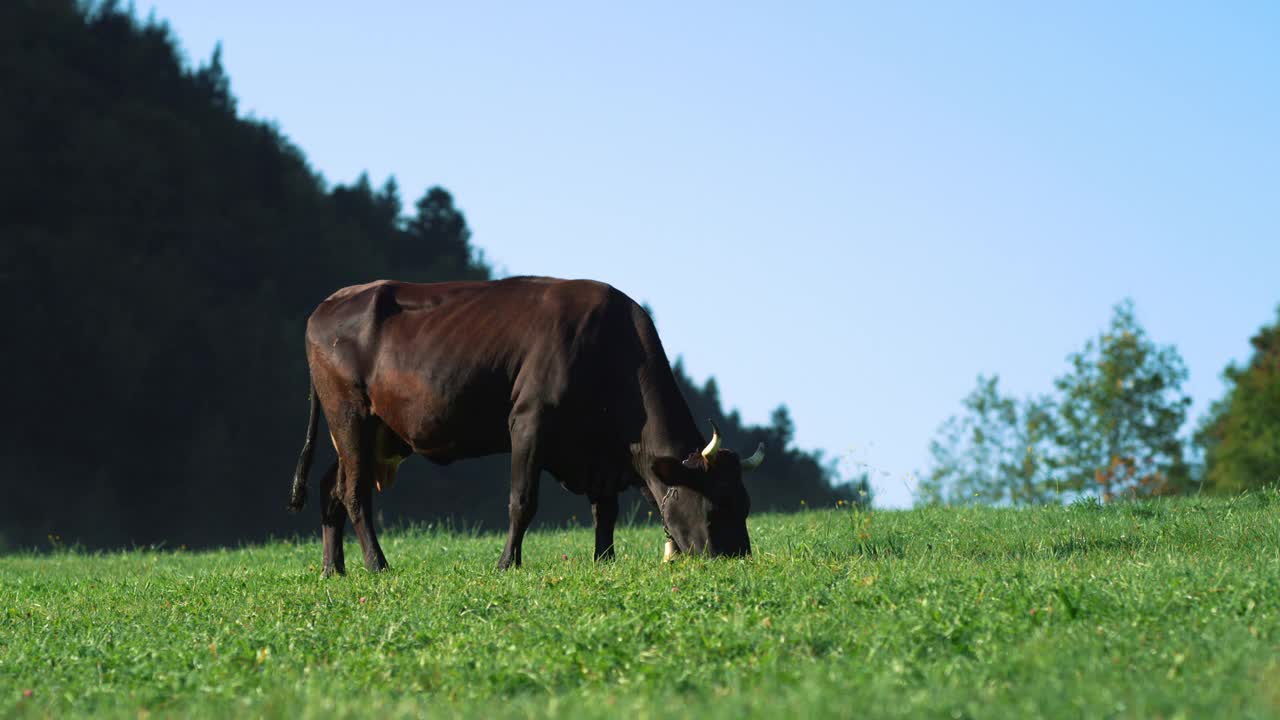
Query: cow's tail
298	497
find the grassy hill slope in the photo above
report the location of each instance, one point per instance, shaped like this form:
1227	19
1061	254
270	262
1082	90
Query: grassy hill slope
1169	608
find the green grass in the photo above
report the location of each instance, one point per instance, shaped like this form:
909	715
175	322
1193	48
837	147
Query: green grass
1165	609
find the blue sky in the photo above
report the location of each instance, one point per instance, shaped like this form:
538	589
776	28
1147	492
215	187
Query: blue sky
890	198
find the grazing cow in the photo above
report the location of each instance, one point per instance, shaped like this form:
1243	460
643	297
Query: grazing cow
566	375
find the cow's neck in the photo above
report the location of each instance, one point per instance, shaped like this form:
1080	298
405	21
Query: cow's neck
670	430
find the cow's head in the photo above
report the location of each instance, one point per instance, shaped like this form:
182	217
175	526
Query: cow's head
703	502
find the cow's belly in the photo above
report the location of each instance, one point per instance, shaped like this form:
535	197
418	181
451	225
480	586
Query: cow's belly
467	421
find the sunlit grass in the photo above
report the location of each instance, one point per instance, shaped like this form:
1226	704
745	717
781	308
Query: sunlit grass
1137	610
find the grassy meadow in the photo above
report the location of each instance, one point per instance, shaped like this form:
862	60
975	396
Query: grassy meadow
1158	609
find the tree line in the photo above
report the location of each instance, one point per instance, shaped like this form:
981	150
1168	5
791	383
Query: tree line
1112	428
160	255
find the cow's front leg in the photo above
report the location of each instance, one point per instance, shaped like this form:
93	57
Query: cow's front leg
525	472
333	519
604	513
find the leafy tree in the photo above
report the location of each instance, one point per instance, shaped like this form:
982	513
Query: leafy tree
999	450
1120	409
1241	434
1111	427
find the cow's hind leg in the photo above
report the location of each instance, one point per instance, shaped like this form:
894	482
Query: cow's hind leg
525	472
604	513
355	447
333	519
362	523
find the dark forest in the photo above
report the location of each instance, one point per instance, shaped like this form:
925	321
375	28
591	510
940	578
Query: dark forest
160	254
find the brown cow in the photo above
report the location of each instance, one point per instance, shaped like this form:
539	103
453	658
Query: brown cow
566	375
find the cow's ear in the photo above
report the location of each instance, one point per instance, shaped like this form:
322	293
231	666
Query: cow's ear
676	472
695	461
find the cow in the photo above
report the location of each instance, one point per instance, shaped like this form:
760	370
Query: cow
568	376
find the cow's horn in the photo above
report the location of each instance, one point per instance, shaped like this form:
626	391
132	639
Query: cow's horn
754	461
713	447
